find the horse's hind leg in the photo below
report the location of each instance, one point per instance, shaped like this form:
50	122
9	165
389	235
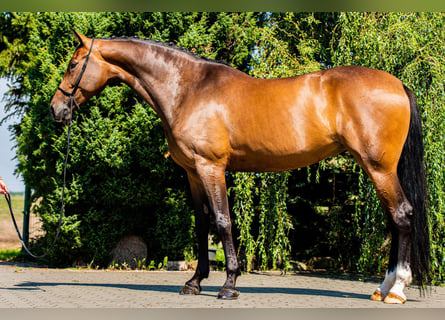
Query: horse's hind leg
399	212
202	222
390	277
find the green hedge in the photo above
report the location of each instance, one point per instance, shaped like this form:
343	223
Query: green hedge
120	182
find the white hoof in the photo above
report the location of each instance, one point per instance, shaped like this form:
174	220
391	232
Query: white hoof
393	298
377	295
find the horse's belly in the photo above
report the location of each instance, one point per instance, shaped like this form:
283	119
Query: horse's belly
263	161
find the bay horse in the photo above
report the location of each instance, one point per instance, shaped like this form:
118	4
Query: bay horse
219	119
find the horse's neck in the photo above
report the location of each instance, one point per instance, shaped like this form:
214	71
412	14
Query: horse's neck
155	72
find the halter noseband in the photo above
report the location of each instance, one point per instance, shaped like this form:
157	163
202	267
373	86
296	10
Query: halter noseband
76	84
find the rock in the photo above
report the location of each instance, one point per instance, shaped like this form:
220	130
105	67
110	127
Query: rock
321	263
299	266
129	248
182	265
212	254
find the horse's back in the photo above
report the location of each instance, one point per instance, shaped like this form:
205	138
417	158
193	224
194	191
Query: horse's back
278	124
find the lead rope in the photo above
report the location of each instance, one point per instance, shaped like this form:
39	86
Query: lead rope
72	102
8	199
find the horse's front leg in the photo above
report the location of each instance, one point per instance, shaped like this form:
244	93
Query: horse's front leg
212	176
202	222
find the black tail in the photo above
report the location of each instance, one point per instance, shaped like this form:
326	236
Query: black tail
411	172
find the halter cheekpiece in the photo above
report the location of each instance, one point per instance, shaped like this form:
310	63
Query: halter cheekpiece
76	84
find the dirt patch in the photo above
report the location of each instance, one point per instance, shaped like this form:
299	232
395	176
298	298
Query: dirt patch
8	235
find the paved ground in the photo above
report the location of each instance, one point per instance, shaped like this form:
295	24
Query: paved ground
35	287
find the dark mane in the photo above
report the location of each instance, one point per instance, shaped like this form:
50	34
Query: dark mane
169	45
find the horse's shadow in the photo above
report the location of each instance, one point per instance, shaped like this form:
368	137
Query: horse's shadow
206	290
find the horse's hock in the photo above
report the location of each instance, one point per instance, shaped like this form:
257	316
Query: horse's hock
129	250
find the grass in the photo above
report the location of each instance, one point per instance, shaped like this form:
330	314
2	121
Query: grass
9	254
9	240
17	201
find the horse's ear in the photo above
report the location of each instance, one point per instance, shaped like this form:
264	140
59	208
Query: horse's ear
78	36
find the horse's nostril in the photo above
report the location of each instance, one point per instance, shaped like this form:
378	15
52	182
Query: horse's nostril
53	113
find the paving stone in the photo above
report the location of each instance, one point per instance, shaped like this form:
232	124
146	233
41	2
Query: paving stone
36	287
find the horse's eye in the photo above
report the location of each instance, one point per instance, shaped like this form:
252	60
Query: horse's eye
73	65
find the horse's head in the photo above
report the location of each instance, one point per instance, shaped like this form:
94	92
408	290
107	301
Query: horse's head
85	77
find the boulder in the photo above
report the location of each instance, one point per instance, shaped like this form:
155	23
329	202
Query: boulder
129	248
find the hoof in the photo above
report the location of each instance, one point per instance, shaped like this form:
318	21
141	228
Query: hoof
393	298
190	290
377	296
228	294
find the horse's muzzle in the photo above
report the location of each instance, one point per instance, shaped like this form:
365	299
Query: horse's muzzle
60	114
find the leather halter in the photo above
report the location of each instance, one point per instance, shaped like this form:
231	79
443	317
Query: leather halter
76	84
